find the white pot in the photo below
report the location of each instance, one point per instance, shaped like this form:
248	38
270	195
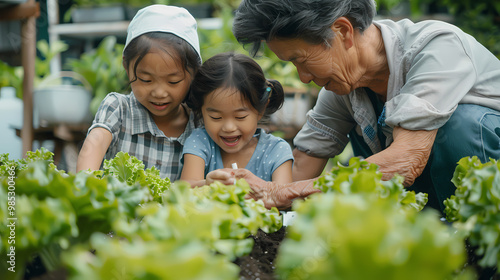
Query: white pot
62	103
294	110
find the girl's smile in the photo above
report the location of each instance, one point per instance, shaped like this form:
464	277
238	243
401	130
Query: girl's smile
231	141
160	106
230	121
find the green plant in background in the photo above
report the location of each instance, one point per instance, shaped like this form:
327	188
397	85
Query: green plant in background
214	41
480	18
12	77
47	52
102	68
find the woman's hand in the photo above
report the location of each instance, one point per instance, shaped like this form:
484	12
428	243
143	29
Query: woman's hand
273	194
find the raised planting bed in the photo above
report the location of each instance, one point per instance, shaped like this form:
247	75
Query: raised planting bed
125	222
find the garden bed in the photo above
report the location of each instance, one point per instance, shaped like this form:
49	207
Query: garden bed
259	264
359	228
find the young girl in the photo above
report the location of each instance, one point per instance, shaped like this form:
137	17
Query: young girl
161	55
231	95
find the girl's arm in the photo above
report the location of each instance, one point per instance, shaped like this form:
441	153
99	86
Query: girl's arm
283	174
193	170
93	150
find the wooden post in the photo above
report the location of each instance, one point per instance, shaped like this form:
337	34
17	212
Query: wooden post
28	51
26	12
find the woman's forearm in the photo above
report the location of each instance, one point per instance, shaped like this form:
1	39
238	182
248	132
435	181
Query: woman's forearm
407	155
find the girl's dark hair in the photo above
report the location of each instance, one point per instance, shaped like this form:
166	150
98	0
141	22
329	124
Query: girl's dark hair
141	45
239	72
256	21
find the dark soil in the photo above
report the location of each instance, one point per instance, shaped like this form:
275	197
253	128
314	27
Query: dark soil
259	264
488	273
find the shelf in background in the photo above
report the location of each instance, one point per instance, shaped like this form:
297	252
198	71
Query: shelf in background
117	28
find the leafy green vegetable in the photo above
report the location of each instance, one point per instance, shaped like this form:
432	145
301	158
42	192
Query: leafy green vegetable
159	227
139	259
54	209
364	236
38	155
475	207
213	214
131	170
253	213
362	177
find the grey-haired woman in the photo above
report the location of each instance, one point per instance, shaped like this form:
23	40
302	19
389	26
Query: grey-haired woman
413	98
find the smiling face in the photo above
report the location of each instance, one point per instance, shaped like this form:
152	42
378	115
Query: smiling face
161	85
337	67
230	121
328	67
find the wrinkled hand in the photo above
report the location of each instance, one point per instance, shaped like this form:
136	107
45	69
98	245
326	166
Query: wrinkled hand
222	175
272	194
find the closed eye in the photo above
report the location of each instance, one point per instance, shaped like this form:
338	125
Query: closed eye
173	83
241	118
143	80
215	118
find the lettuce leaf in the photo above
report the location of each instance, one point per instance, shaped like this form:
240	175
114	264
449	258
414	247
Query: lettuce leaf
475	207
363	177
364	236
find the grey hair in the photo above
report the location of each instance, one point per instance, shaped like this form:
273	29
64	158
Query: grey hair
310	20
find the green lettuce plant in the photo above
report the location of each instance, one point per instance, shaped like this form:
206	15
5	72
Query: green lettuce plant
475	207
364	236
362	177
139	259
65	216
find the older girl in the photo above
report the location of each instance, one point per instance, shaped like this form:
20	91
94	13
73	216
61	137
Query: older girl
161	55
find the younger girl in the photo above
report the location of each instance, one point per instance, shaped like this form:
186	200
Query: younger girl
161	55
231	95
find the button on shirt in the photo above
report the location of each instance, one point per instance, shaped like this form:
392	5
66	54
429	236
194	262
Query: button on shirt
433	65
135	132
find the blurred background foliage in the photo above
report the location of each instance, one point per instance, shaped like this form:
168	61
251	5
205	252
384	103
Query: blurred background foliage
479	18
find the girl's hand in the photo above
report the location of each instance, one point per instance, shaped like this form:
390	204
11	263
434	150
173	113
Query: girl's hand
222	175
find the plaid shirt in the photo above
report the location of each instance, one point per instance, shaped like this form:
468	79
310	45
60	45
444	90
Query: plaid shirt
135	132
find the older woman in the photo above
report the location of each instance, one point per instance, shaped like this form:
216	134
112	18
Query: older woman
412	98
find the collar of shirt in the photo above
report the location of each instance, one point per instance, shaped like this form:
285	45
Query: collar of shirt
142	121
